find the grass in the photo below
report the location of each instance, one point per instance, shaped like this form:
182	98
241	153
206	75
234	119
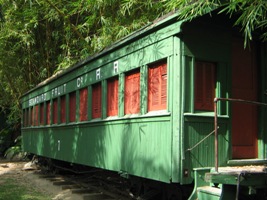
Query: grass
12	189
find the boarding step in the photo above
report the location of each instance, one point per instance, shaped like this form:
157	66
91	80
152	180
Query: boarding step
239	175
229	182
246	162
208	193
199	179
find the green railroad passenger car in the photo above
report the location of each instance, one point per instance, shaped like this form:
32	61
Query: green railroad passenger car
145	105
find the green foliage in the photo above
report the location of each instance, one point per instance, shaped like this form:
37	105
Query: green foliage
12	152
41	37
191	9
251	14
15	151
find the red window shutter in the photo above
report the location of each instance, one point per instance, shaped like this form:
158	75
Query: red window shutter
164	80
42	113
157	87
204	85
96	101
83	104
48	111
36	115
210	85
32	117
55	110
199	85
112	97
63	109
72	108
29	116
25	118
132	93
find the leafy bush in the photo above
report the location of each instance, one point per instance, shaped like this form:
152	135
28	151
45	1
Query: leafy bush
15	152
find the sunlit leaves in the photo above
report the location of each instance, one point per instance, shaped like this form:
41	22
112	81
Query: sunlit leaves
40	37
191	9
251	14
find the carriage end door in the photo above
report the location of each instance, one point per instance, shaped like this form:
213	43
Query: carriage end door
244	86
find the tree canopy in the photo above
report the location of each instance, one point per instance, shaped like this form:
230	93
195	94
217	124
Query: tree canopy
252	14
40	37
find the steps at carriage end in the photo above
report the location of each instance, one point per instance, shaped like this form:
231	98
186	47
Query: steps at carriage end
208	193
246	162
202	188
212	185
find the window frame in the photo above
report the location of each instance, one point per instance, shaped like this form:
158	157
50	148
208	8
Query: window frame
96	100
83	109
132	100
72	106
157	72
48	113
204	85
42	109
55	111
63	111
112	96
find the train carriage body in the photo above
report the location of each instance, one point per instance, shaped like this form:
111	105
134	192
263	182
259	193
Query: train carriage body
145	106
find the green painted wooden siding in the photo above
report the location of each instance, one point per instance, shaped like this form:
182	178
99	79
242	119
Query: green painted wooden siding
201	154
141	147
203	42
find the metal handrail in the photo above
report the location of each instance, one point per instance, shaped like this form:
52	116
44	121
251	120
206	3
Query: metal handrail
216	121
199	142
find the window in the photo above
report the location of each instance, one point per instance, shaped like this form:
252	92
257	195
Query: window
96	101
48	112
63	109
55	110
204	85
42	114
132	93
72	108
83	104
112	97
31	117
36	115
157	87
25	117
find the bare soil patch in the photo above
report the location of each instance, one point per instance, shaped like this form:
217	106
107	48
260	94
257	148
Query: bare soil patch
27	174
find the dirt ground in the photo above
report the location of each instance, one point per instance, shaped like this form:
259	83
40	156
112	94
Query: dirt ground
27	173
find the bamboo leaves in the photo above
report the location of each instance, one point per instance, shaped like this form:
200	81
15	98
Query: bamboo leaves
251	14
40	37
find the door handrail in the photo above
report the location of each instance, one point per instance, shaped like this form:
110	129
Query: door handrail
216	100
